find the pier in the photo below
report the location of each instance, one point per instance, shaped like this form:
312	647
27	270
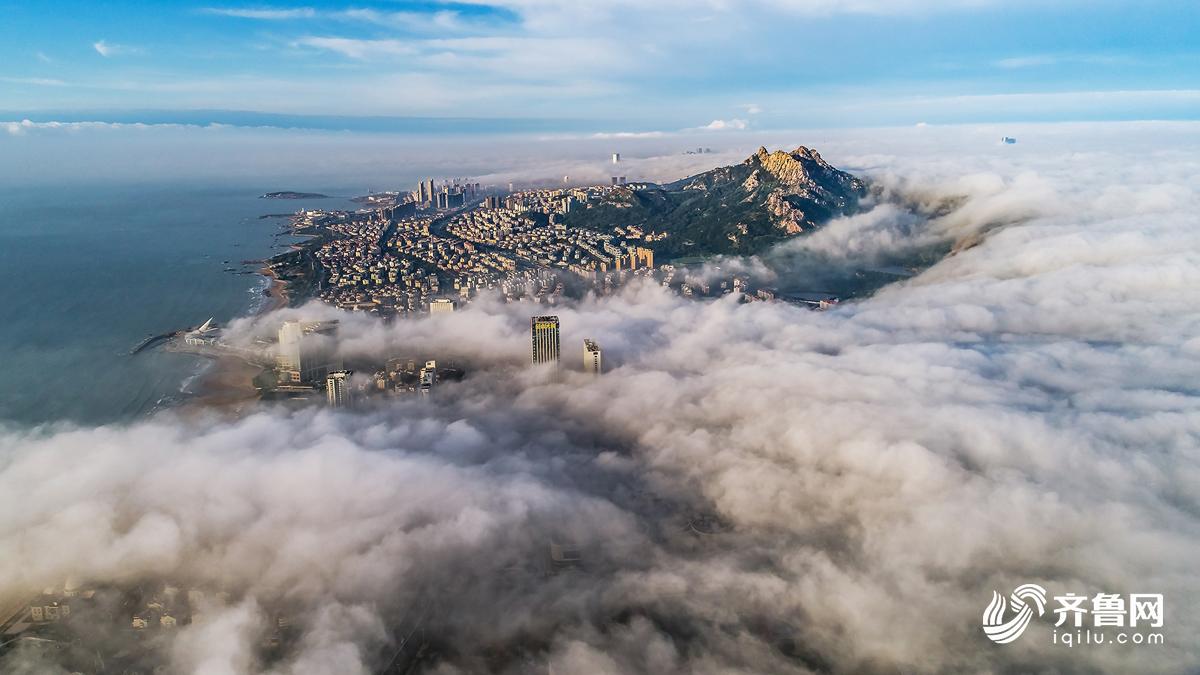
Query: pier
154	341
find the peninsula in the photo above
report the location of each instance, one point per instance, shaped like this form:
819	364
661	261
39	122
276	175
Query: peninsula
294	195
456	240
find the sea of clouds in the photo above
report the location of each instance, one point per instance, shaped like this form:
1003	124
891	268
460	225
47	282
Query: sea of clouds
1024	411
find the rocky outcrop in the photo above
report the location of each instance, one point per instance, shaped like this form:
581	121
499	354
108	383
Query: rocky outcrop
741	208
801	178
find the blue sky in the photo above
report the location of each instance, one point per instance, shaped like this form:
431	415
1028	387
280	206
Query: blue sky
619	66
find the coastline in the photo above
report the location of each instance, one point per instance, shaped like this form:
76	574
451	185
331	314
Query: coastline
276	293
227	386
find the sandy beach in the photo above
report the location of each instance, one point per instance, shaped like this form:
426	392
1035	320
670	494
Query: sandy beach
276	292
228	386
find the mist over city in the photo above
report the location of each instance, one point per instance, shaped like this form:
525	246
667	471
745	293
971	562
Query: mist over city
454	338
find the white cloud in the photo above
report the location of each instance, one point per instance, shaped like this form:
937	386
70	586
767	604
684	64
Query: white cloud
22	127
109	49
726	125
629	134
1025	61
444	20
552	12
265	14
715	125
1034	60
441	20
559	59
358	49
752	108
39	81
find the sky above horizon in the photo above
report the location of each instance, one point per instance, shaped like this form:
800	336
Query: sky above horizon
620	67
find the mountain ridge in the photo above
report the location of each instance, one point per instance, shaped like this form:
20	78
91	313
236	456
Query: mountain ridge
737	209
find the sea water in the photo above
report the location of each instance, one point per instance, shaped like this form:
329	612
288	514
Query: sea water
86	273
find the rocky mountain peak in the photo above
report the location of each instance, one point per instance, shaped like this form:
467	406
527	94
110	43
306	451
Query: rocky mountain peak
791	168
741	208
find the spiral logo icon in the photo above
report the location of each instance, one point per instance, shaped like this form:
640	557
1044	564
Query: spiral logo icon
1023	601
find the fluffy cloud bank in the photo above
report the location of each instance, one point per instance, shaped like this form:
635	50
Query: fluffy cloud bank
1025	410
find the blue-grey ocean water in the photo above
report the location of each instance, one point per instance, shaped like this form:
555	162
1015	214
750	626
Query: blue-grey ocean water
88	272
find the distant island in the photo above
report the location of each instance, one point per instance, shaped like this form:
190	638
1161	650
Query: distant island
294	195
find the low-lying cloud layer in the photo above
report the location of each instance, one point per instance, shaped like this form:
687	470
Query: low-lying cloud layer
1024	411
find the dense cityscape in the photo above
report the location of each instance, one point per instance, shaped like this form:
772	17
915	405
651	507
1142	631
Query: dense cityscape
457	240
398	259
440	247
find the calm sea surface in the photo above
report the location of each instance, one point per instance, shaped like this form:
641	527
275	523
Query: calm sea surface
87	273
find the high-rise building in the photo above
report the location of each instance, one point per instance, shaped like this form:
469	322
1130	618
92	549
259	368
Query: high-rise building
544	330
429	377
306	351
287	354
641	256
405	209
337	389
591	357
616	158
429	190
441	306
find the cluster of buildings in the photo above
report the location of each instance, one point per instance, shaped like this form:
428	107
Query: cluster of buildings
306	352
446	242
40	616
398	377
446	194
307	362
362	269
167	608
567	199
423	251
459	264
524	240
546	345
132	619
